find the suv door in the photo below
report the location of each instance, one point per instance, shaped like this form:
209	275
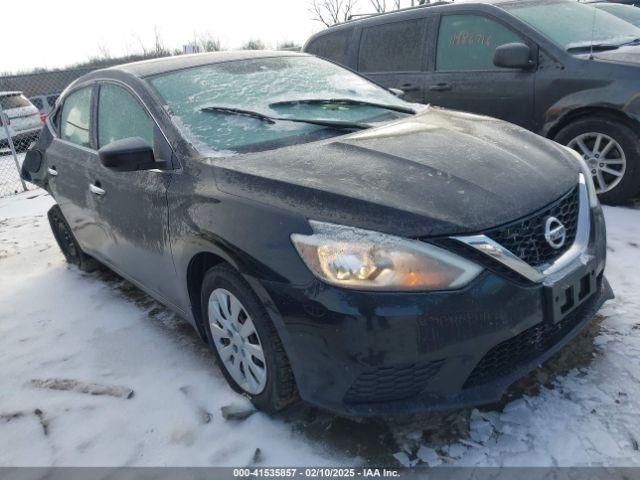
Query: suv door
395	55
68	158
132	206
463	75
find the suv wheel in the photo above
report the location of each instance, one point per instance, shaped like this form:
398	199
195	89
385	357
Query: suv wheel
244	340
67	242
612	152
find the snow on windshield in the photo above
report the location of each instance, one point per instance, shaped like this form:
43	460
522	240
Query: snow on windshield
255	85
573	24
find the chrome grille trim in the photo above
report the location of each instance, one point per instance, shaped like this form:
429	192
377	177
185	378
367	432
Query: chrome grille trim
489	247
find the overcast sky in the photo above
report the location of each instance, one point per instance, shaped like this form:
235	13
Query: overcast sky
45	33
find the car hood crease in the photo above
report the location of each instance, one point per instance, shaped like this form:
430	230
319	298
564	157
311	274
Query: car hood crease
434	174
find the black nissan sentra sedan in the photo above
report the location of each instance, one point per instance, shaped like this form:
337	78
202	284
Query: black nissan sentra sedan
330	241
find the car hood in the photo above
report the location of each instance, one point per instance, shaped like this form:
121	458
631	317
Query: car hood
434	174
629	55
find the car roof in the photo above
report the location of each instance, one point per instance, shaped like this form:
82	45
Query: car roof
437	6
157	66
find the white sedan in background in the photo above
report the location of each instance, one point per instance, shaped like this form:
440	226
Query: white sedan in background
20	120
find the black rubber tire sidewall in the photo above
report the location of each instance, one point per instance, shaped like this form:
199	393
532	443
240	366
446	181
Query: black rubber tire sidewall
75	255
628	139
280	388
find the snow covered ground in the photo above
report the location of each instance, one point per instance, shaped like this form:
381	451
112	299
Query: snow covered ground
100	332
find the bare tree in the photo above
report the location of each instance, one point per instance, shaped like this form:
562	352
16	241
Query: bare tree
103	51
331	12
291	46
379	6
254	45
207	42
158	49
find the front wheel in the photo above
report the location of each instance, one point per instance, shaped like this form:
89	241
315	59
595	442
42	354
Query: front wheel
244	340
611	149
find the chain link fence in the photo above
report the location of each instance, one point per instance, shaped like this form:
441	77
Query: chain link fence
25	102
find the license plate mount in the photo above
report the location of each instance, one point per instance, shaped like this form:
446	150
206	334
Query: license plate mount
569	293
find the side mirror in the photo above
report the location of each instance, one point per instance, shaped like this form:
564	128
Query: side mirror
32	164
128	155
397	92
512	55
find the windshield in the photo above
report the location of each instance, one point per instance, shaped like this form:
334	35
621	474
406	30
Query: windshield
625	12
194	96
572	24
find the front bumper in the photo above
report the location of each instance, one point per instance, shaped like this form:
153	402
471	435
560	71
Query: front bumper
369	354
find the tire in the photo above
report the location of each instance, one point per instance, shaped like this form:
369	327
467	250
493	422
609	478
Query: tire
67	241
279	388
629	142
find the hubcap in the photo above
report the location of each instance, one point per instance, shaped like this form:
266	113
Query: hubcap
237	341
605	159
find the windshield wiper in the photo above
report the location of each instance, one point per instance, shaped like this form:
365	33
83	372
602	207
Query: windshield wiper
345	101
596	47
339	124
635	41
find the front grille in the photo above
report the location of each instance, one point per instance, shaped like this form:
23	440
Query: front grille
525	237
512	354
391	383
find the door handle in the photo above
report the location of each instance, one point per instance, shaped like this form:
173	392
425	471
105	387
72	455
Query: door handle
95	189
441	87
409	87
52	171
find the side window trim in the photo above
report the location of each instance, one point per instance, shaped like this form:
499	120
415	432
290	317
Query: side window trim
525	38
423	61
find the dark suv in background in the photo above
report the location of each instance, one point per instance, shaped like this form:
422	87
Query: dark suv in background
562	69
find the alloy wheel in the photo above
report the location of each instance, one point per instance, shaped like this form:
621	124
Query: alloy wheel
605	159
237	341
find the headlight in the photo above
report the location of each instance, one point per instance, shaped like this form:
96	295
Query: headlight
362	259
588	178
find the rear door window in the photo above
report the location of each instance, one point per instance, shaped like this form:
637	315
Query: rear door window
393	47
467	42
75	118
121	116
333	46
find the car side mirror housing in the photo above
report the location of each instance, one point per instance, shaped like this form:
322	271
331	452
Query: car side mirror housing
513	55
32	160
32	166
128	155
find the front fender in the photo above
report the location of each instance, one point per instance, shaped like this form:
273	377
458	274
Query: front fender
252	237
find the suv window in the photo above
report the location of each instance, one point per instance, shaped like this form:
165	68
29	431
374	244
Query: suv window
38	103
394	47
467	42
120	116
76	117
333	46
